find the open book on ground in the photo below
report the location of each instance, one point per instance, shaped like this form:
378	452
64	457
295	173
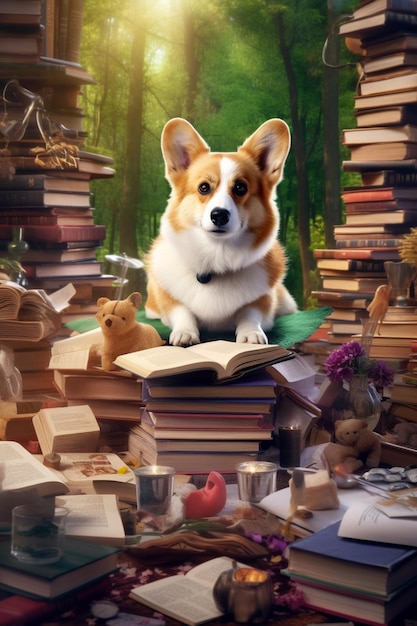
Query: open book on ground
81	470
24	477
225	359
188	598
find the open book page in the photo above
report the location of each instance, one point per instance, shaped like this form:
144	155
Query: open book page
364	521
60	299
20	471
94	517
66	429
278	503
32	304
188	598
225	358
77	352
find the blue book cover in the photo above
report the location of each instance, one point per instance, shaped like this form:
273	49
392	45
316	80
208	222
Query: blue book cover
360	565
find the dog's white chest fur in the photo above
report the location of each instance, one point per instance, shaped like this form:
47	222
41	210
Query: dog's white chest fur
215	302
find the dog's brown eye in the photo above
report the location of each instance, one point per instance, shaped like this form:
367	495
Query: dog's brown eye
240	188
204	189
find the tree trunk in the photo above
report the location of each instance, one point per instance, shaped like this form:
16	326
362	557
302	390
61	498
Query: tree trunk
192	64
129	204
332	208
298	143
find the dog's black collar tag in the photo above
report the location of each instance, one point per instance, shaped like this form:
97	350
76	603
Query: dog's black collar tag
204	278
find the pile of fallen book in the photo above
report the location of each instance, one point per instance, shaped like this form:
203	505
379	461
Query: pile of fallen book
202	408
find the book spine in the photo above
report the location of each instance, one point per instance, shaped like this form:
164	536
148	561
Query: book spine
368	243
393	178
367	196
22	182
17	198
57	234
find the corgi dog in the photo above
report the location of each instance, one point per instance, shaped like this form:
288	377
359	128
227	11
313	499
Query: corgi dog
217	263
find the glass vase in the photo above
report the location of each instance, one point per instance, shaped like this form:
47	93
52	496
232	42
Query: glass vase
358	398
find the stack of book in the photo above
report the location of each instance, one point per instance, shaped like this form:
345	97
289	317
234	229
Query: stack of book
30	321
365	581
383	151
45	173
199	414
114	397
22	35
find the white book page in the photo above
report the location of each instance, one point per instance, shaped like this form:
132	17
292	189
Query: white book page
20	469
364	521
94	516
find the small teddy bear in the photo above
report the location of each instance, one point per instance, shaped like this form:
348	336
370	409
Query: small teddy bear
356	445
121	332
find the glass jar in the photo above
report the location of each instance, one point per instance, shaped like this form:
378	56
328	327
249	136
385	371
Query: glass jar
358	398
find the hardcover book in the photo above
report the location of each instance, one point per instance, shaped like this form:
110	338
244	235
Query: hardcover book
367	566
82	562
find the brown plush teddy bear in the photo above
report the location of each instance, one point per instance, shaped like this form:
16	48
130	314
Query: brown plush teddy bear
121	332
356	445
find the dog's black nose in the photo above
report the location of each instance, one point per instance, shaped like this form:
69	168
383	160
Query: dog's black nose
220	217
108	322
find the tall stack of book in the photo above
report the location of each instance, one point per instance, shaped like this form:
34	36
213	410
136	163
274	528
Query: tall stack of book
21	31
383	150
45	172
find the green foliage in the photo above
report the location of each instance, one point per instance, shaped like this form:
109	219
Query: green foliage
231	51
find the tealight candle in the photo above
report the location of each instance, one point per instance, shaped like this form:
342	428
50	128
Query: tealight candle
154	488
256	479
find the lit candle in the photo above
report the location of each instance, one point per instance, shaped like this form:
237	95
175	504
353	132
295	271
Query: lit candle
256	479
154	488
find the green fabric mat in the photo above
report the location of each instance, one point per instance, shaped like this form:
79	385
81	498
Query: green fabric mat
287	331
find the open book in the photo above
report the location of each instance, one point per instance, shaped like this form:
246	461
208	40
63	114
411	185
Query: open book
95	517
67	429
367	521
188	599
78	352
31	314
83	470
22	472
225	359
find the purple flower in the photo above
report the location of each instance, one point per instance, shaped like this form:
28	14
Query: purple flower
381	375
351	359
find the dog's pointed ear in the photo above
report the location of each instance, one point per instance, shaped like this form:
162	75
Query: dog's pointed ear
180	144
269	147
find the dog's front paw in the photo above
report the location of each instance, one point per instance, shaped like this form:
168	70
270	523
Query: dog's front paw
251	336
183	337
